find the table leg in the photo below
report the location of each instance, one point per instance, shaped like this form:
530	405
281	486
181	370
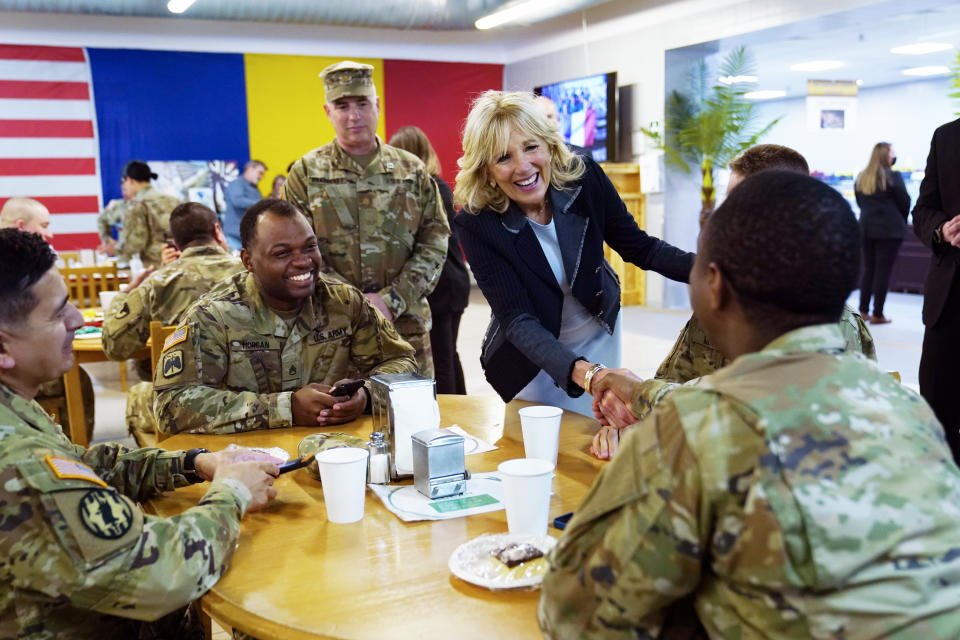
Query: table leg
74	397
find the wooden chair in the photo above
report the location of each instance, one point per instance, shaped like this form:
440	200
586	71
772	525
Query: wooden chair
158	335
68	257
84	284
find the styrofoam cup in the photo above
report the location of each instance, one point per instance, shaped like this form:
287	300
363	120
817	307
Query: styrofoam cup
541	432
343	473
106	297
526	494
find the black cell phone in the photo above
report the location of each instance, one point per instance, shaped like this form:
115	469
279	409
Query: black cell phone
560	522
296	463
346	388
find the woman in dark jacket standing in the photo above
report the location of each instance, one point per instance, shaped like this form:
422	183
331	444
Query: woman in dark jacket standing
534	220
884	205
452	293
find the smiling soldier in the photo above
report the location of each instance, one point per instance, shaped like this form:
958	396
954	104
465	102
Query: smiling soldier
262	349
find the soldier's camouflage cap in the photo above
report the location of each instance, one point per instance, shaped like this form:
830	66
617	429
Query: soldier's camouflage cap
347	78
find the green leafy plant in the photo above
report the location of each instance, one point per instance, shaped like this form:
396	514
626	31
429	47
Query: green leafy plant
955	83
711	123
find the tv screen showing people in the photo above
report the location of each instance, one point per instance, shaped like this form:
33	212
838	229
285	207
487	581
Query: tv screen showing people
586	113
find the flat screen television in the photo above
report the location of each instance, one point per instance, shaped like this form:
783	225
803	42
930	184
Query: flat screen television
588	113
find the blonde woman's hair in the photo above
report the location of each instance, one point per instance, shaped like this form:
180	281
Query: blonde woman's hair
414	140
485	138
874	177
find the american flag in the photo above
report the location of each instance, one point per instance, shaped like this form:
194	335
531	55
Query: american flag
48	138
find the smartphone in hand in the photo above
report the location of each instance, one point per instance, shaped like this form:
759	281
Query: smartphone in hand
296	463
346	388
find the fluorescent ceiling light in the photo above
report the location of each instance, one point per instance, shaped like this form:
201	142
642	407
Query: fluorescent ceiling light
921	48
179	6
816	65
764	94
734	79
512	13
926	71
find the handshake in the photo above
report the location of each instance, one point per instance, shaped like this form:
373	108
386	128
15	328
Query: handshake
612	391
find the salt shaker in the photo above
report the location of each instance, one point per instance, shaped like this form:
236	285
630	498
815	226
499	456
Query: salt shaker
378	471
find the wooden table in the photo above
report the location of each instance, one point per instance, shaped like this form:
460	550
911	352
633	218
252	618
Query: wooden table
84	350
295	575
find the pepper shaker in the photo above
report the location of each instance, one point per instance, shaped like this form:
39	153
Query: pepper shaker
378	471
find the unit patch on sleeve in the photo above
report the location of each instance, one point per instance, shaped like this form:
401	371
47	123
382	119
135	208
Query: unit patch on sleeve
172	363
176	337
73	469
105	514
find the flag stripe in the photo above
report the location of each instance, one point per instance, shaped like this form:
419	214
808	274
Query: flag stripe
47	148
66	204
33	186
47	166
46	128
44	90
23	52
20	109
41	71
71	241
73	222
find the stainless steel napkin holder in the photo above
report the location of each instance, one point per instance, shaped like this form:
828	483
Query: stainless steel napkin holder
383	387
438	463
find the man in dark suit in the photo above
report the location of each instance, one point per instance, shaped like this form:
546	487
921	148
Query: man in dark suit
936	221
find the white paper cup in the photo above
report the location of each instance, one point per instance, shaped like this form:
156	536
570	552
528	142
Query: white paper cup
343	473
541	432
526	494
106	297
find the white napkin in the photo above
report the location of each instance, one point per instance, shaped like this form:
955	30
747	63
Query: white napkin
414	409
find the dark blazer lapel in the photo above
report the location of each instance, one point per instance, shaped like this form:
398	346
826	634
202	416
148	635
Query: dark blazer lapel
527	245
571	227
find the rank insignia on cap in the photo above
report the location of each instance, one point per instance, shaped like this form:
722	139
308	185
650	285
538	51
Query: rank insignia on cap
172	363
105	514
176	337
123	312
66	468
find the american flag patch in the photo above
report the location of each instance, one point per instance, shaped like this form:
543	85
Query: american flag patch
176	337
67	468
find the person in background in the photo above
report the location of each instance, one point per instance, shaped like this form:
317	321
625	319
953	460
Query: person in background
80	559
549	109
375	210
165	295
147	216
692	355
884	206
240	194
534	220
936	221
276	191
26	214
798	493
110	224
452	293
263	348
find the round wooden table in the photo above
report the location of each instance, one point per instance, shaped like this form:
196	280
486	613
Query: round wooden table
295	575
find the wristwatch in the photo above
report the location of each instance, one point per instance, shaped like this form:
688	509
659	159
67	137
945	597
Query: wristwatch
938	232
190	465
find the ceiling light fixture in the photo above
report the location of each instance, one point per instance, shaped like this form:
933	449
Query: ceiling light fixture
816	65
511	14
735	79
921	48
179	6
935	70
764	94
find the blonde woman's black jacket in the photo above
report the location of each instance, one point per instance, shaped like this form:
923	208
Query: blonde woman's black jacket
524	296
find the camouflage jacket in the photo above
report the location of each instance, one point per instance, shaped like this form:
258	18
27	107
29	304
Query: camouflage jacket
233	364
798	493
147	217
111	215
164	296
381	229
79	558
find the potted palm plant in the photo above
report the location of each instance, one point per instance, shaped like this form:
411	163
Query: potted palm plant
711	123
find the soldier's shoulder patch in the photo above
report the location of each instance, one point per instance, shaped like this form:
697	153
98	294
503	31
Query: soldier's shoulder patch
172	363
105	514
176	337
65	468
123	312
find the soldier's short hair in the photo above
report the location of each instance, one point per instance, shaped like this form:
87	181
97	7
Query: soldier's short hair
248	223
767	157
24	259
254	163
192	222
789	246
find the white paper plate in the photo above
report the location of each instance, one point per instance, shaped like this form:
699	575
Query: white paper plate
473	563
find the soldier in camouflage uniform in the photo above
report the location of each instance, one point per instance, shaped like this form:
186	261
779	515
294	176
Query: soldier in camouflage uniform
110	217
78	558
147	216
164	296
262	349
800	492
376	212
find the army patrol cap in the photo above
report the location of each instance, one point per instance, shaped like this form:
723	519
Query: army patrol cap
347	79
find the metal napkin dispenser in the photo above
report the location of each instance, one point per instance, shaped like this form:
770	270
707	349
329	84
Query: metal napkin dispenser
438	463
396	401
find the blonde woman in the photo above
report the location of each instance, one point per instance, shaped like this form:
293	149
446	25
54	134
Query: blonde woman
884	205
535	218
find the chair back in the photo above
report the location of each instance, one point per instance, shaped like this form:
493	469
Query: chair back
84	284
158	335
69	257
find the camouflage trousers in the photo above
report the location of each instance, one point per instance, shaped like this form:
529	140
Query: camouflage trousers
53	400
140	418
420	341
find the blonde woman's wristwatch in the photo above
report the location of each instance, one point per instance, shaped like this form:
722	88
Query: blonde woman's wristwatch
588	376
